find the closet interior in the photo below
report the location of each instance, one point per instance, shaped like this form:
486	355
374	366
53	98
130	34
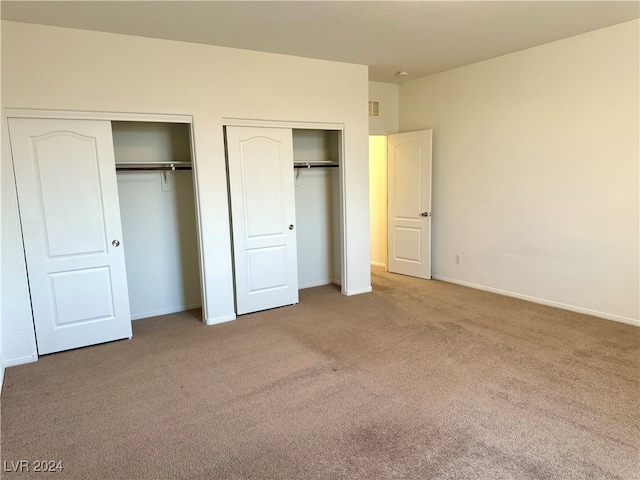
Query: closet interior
158	215
316	160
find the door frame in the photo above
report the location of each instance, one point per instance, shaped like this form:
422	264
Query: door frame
244	122
126	117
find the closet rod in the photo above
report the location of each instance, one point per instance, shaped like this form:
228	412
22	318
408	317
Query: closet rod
315	165
121	169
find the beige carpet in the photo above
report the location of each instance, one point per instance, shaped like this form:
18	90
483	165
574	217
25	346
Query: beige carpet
418	380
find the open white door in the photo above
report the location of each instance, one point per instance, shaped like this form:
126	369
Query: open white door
263	217
70	217
409	203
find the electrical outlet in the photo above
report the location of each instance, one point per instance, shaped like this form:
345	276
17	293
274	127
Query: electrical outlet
458	258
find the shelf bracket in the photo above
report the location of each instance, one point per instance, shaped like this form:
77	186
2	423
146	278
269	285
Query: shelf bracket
165	179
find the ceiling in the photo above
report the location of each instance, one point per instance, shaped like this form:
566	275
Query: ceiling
421	37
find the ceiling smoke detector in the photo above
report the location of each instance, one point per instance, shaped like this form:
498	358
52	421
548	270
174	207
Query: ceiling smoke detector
403	73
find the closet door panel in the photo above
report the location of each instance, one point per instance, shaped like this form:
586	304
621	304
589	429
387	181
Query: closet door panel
73	222
263	216
263	187
70	218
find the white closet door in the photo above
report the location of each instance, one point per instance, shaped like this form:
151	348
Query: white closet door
68	198
263	217
409	203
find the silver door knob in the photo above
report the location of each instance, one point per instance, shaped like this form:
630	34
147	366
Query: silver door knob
425	214
290	227
115	243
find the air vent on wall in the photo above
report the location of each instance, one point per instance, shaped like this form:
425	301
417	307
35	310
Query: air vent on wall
374	109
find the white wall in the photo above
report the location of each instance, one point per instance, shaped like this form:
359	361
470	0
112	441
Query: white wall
378	199
64	69
160	242
314	228
151	142
535	171
18	337
387	94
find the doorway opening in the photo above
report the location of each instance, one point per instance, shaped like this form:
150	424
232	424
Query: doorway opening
400	202
378	199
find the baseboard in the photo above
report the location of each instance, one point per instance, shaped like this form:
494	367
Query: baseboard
358	291
1	375
378	264
20	361
318	283
215	321
165	311
542	301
